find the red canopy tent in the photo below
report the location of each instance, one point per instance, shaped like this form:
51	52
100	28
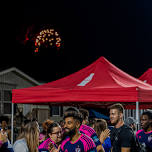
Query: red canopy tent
98	84
147	76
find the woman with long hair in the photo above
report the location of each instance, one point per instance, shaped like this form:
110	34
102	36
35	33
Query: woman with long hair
28	140
101	128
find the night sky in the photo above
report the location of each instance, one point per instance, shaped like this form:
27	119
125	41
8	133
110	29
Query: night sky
121	31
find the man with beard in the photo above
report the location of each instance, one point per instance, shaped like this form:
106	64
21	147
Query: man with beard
145	135
122	137
75	141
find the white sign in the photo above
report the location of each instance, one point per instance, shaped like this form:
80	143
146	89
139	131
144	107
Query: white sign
86	80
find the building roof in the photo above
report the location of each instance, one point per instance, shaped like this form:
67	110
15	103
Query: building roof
19	73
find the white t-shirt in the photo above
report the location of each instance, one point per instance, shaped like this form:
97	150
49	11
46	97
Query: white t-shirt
20	146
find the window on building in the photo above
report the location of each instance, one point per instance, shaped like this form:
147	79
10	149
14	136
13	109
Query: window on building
55	110
7	108
7	95
7	98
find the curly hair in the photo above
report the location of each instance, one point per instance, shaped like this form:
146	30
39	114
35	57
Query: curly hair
74	114
45	125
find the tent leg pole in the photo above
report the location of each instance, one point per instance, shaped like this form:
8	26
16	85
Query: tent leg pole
12	127
137	114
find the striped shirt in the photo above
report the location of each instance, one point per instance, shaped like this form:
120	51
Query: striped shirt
145	138
83	144
44	146
87	130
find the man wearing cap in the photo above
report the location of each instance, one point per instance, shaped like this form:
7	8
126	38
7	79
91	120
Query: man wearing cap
131	122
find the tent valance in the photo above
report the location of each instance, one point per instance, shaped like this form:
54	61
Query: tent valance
96	84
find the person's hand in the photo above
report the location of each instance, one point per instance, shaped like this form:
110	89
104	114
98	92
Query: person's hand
104	134
3	136
42	139
54	149
51	146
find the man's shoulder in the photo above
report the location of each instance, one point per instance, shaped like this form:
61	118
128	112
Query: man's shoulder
22	140
87	141
140	132
126	130
86	127
20	144
125	127
64	142
45	143
86	138
87	130
122	131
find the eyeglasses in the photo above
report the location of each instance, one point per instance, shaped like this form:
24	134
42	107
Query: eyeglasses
57	133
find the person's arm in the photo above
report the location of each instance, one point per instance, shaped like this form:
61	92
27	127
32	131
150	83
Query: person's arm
100	148
107	144
124	149
9	134
96	146
97	142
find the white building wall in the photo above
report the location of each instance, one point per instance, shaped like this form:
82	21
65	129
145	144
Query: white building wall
14	79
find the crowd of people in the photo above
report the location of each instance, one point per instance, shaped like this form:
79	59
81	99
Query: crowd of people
76	134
